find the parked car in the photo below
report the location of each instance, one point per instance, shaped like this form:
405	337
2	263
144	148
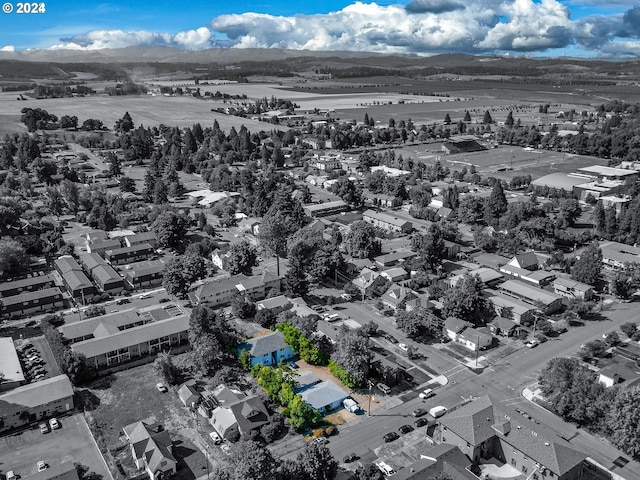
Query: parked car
321	440
403	346
419	412
352	457
330	430
162	387
11	475
215	438
41	466
421	422
293	365
122	301
44	428
532	343
389	337
384	468
225	448
384	388
390	437
164	300
405	429
428	393
54	424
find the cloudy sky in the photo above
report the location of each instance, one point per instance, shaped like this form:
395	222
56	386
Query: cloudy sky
585	28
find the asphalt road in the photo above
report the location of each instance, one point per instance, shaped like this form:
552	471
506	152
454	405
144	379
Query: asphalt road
503	380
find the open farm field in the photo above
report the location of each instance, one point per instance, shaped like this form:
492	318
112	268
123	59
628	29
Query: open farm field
147	110
507	162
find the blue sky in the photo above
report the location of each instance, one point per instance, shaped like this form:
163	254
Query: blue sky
520	27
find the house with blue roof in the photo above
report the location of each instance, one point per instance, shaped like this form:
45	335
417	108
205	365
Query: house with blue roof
267	349
324	396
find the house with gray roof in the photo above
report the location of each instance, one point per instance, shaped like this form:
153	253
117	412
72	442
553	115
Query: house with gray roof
324	396
235	413
481	430
269	349
151	448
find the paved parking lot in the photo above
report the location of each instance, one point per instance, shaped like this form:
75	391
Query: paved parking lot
73	442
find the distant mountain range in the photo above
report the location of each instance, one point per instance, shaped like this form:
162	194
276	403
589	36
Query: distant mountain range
118	63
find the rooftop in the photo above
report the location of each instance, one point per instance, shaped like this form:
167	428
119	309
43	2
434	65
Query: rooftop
10	367
35	394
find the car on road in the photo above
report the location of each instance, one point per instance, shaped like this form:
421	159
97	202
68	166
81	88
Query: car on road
405	429
122	301
532	343
215	438
403	346
389	337
54	424
428	393
419	412
390	437
421	422
41	466
44	428
321	441
162	387
352	457
164	300
225	448
330	430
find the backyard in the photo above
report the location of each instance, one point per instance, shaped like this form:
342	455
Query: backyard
129	396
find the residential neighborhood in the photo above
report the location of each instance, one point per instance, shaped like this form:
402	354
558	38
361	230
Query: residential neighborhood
324	296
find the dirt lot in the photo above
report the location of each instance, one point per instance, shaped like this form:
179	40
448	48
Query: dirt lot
342	416
129	396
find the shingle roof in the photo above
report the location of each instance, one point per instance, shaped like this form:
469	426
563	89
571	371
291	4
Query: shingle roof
35	394
132	336
528	292
26	282
473	421
323	394
456	324
30	296
266	344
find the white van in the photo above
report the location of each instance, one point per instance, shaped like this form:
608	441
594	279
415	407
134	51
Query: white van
384	468
438	411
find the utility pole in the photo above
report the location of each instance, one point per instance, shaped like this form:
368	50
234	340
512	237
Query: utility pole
477	349
369	409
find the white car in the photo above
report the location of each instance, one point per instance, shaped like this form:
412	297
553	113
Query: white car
404	346
532	344
54	424
428	393
215	438
41	466
161	387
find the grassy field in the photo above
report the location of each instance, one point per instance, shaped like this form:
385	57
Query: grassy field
129	396
146	110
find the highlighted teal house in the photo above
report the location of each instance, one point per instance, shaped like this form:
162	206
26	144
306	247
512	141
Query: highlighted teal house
267	349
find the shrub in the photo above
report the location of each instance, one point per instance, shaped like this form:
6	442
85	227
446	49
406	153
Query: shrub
341	374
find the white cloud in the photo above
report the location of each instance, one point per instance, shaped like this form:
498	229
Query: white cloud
8	48
422	26
99	39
